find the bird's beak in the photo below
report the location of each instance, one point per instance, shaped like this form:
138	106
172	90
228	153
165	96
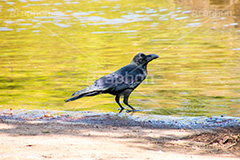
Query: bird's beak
151	57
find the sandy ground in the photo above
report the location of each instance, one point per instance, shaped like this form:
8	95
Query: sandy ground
59	140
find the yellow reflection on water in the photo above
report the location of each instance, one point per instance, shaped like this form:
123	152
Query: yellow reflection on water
50	49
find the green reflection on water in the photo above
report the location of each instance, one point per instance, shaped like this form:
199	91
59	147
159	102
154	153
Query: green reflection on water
50	49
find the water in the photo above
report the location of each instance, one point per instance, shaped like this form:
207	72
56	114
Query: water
50	49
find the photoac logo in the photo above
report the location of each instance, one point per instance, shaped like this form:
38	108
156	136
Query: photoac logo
212	13
122	79
29	13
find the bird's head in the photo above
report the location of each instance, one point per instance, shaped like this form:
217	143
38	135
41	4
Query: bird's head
142	59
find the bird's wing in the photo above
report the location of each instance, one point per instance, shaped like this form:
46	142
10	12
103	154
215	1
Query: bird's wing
129	76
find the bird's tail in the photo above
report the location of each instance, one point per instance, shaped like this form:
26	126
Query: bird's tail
89	91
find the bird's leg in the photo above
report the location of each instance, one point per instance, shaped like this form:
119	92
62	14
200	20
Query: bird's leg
117	100
125	101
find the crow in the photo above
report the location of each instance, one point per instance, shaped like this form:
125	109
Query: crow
121	82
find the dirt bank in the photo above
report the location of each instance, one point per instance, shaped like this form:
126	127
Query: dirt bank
60	140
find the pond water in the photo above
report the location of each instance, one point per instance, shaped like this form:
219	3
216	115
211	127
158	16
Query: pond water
52	48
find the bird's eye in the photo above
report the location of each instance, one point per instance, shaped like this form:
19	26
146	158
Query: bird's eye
142	55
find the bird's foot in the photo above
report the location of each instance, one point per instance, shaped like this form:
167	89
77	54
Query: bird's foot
128	111
133	111
121	109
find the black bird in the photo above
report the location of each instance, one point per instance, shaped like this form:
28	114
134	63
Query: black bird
121	82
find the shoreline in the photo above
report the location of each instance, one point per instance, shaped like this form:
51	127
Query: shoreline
49	135
123	119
